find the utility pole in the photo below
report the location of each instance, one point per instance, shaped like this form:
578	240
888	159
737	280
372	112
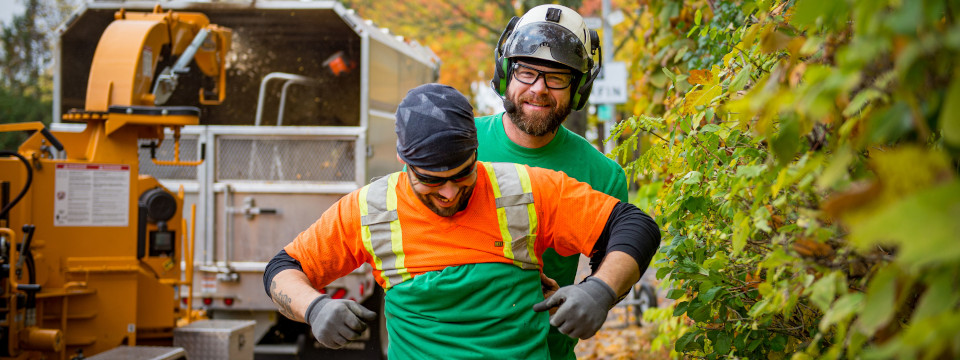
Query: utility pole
607	116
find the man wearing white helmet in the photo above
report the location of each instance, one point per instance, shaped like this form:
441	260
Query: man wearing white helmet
544	69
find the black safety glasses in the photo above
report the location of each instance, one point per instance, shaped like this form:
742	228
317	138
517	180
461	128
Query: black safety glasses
529	76
434	181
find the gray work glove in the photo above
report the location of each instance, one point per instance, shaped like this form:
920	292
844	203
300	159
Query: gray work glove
335	322
582	308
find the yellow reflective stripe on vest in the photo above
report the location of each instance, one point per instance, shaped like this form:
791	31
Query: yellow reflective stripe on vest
516	213
380	229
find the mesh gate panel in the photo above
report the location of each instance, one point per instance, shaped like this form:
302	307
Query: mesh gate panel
323	160
188	152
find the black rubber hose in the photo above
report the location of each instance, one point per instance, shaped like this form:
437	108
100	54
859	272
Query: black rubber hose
32	279
3	213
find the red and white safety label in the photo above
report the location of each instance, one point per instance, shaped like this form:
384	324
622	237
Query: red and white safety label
92	195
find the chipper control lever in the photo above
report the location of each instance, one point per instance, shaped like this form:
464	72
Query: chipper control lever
167	81
25	246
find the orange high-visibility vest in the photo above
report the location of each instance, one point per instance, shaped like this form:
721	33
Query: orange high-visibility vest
383	235
499	225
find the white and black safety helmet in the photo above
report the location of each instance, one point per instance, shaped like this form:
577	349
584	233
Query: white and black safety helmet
552	33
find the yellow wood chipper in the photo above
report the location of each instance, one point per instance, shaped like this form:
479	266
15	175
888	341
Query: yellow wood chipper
91	249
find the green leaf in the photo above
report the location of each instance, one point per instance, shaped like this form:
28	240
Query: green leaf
710	294
692	177
697	17
749	171
787	141
662	272
778	343
823	291
860	100
837	169
695	204
845	307
680	53
670	74
760	217
675	294
722	345
906	19
950	114
688	266
701	313
941	296
740	341
710	128
933	210
775	259
741	231
740	80
681	308
878	308
890	124
716	262
684	340
808	12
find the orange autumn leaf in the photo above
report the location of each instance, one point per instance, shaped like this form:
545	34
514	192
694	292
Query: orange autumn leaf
702	77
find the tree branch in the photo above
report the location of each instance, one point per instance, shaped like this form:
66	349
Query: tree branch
476	20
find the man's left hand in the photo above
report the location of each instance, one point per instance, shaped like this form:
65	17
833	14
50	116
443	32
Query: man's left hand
581	309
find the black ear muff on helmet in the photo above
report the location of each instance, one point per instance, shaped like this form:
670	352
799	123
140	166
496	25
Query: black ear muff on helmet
544	34
581	93
501	64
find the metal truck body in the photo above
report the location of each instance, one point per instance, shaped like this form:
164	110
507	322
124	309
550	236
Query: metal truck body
309	117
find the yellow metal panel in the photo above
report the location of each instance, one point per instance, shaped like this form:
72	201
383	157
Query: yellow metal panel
124	63
155	304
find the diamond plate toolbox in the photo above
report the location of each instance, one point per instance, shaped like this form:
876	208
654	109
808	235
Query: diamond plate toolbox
216	339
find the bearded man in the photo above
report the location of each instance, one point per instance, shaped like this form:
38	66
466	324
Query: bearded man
544	69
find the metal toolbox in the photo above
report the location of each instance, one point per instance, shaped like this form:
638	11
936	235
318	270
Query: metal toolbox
216	339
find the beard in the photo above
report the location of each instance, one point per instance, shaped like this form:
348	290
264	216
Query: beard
464	197
536	124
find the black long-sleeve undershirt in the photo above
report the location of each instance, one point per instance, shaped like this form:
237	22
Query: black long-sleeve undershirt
280	262
630	230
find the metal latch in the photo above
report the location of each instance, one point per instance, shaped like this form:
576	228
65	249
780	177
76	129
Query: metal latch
250	209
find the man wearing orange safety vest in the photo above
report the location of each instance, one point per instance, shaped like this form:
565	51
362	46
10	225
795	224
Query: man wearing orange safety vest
457	245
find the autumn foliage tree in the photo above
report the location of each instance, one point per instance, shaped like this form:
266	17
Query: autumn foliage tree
462	33
25	56
802	159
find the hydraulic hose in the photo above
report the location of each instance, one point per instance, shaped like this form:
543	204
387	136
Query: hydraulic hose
26	186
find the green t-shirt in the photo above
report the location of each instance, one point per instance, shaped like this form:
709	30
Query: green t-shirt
573	155
473	311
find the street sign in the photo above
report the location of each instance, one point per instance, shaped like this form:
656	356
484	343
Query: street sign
611	86
593	22
605	112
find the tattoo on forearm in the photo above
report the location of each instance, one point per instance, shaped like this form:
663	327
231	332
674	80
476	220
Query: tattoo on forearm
282	300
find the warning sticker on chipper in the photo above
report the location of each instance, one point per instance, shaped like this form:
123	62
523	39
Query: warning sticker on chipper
92	195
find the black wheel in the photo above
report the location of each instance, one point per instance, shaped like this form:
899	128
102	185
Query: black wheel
644	297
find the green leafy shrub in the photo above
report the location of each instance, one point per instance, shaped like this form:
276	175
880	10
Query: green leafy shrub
802	159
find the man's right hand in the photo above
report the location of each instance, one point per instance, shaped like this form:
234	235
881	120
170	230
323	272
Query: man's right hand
335	322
